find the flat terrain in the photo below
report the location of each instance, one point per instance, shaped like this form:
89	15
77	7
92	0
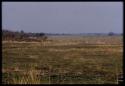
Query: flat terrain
63	60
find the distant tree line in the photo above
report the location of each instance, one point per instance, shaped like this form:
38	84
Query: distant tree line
114	34
22	36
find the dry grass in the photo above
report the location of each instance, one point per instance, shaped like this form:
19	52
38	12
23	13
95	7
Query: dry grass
80	60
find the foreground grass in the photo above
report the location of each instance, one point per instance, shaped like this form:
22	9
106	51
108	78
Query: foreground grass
57	62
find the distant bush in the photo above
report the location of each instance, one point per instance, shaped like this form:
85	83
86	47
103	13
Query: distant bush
111	33
22	36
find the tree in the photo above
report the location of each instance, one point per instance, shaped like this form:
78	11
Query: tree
21	34
111	33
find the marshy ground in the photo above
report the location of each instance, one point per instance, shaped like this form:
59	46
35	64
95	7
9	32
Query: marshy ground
63	60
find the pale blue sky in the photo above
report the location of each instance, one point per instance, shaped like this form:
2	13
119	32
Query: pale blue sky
63	17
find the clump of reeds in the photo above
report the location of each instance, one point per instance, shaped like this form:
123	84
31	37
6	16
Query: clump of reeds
29	77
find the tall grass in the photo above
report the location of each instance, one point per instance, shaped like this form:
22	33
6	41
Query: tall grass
28	77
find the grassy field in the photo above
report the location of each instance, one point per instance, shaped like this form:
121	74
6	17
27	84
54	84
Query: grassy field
63	60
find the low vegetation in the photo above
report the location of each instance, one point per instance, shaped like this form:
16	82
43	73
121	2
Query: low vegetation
8	35
63	60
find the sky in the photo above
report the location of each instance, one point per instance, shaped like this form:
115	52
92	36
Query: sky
63	17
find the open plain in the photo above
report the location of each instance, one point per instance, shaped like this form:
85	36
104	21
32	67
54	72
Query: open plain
63	60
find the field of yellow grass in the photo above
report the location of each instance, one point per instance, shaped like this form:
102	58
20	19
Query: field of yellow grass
63	60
